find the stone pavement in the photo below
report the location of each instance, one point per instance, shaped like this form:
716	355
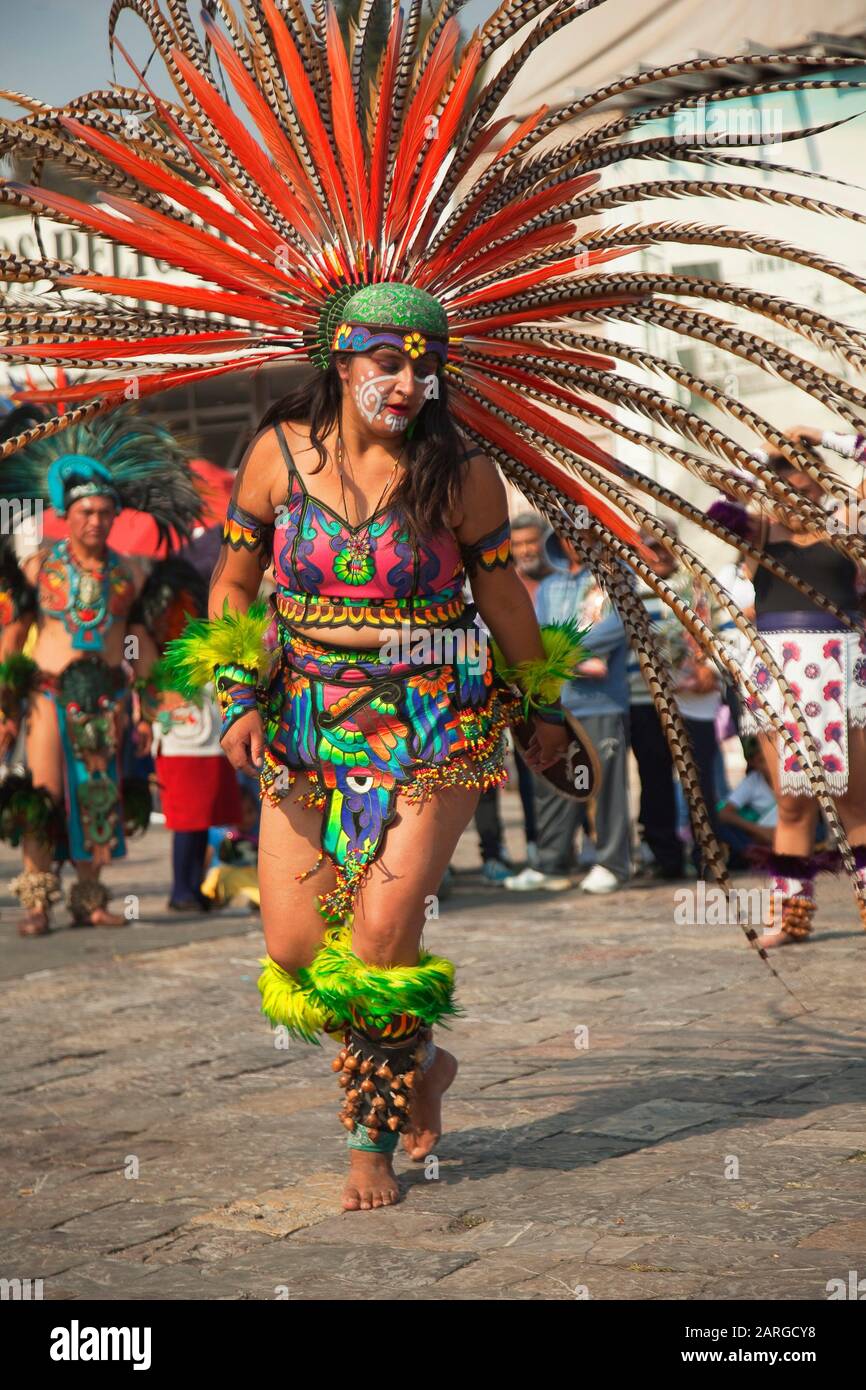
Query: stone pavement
642	1111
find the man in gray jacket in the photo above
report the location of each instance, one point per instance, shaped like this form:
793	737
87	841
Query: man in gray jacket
598	697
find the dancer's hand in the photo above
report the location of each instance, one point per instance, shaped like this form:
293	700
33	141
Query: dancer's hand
244	743
804	432
548	744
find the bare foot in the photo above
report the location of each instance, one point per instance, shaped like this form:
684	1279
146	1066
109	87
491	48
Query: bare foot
779	938
371	1181
34	923
426	1112
99	917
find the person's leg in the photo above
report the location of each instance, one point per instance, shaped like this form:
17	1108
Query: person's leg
526	787
489	826
609	733
88	898
702	733
187	852
37	887
556	822
791	864
852	805
658	805
389	917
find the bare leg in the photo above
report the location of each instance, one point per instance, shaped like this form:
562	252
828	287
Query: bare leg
795	828
390	912
45	761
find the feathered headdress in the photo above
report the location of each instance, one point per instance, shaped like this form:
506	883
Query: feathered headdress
290	182
129	457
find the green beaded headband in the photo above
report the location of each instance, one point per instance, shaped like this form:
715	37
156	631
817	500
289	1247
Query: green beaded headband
386	313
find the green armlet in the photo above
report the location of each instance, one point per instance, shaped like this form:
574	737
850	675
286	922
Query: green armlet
341	982
286	1003
541	678
234	639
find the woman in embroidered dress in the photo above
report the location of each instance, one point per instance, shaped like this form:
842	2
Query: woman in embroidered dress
386	508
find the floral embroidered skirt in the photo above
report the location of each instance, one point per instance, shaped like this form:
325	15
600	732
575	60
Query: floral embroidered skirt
366	725
825	667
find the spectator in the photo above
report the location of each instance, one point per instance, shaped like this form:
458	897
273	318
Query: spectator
749	815
695	679
198	788
598	697
528	532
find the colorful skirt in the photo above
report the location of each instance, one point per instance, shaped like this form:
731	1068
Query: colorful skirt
367	725
89	698
824	664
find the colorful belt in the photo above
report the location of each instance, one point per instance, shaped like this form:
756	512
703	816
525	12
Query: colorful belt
340	610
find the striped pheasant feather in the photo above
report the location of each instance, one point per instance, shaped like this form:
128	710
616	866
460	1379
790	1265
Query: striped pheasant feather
277	176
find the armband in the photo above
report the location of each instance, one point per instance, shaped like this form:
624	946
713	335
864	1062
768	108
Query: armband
236	692
489	552
541	678
552	713
208	646
243	531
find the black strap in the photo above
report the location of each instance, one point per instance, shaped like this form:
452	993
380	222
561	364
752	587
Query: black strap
290	462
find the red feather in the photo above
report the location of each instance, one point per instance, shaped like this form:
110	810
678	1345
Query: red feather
516	284
104	349
346	132
384	113
415	131
307	109
128	234
236	136
213	255
183	192
448	122
187	297
210	170
510	218
281	151
537	416
485	423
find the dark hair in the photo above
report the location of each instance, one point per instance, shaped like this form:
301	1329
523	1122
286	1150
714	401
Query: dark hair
437	453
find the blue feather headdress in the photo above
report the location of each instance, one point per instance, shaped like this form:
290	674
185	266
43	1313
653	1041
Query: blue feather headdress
129	457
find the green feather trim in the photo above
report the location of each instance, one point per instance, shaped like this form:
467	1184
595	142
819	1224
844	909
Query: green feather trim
17	672
285	1002
541	678
340	981
235	638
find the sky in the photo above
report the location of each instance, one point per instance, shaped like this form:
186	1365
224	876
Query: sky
56	49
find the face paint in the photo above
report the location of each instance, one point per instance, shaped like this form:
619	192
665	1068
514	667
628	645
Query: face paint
369	397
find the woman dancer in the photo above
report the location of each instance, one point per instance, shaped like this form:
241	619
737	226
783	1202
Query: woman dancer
354	169
374	509
823	658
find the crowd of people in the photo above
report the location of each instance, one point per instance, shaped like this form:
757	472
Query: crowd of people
637	826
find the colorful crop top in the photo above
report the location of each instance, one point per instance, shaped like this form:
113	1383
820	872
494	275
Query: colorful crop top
372	574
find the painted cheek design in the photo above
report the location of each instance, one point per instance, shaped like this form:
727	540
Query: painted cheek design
370	396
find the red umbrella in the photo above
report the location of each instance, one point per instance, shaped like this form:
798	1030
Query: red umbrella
135	533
